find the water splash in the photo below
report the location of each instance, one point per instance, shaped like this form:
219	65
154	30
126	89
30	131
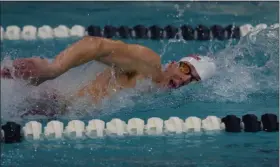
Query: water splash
250	66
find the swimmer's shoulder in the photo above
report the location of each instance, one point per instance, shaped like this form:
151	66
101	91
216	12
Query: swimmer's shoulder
135	48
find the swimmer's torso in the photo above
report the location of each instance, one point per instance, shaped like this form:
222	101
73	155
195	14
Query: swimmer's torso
105	84
109	82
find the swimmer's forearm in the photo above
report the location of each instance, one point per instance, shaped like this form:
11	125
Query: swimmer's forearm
81	52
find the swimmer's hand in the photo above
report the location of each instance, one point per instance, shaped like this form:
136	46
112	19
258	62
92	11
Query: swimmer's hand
34	70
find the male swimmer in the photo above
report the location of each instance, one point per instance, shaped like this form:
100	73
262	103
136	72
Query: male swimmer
128	63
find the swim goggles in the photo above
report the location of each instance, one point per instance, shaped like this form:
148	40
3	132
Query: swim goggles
186	69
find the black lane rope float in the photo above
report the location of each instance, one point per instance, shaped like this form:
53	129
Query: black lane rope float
155	32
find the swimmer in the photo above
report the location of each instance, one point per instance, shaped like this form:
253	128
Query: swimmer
128	62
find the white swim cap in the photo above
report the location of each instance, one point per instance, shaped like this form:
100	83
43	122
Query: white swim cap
205	67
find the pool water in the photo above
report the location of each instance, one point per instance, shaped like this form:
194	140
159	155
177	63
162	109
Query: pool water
246	82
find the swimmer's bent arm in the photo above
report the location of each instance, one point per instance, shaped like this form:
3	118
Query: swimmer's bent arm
128	57
81	52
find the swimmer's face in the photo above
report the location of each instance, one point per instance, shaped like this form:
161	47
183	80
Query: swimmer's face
180	73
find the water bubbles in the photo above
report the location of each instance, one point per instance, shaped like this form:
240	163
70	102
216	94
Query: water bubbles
205	17
180	10
150	149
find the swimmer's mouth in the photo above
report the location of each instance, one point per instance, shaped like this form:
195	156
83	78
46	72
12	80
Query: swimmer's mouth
172	84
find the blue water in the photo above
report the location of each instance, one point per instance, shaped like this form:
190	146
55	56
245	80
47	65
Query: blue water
246	82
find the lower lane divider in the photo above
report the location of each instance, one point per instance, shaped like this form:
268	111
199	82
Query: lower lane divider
13	132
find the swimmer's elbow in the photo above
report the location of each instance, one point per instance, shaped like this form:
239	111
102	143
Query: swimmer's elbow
92	42
92	46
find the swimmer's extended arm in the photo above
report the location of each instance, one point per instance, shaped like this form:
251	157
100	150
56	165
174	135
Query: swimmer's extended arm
127	57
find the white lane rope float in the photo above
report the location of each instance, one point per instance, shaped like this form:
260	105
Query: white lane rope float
154	32
13	132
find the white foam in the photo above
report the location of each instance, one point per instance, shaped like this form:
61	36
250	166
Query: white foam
260	27
245	29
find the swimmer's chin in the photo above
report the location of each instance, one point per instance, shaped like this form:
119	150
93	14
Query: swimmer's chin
169	86
173	85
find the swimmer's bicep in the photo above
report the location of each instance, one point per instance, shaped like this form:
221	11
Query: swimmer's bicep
148	56
146	60
131	57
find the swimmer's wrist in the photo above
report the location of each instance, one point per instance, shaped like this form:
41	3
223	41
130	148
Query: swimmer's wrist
56	70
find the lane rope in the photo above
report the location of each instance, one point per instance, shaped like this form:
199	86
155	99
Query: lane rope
154	32
13	132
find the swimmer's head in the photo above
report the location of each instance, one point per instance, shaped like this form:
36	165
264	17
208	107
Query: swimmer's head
189	69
